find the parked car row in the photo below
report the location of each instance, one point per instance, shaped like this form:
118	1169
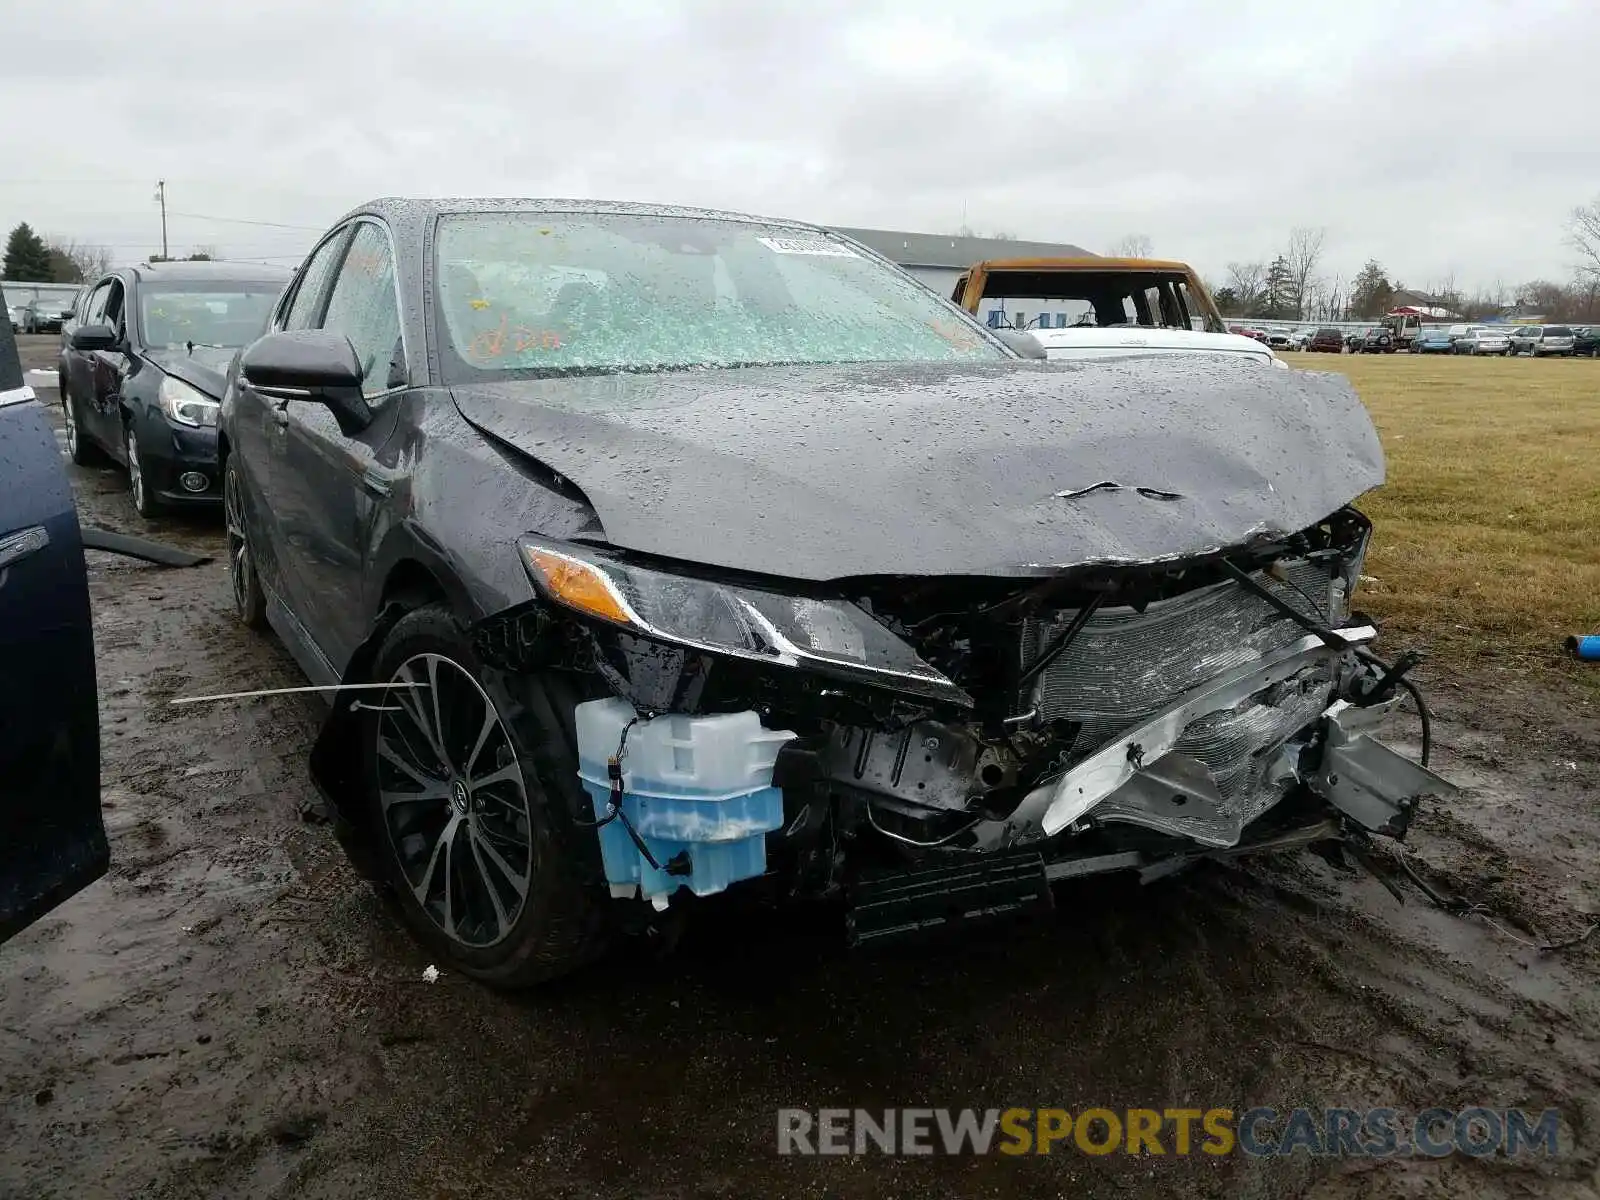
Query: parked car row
1534	340
1505	340
40	315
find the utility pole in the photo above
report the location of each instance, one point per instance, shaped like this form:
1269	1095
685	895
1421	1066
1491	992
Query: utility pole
161	197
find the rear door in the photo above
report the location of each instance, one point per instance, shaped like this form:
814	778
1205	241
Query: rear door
52	840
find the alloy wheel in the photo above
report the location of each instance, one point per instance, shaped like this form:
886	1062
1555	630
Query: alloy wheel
453	801
69	420
239	563
135	475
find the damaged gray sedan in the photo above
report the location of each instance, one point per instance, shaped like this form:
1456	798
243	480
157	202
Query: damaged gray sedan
666	553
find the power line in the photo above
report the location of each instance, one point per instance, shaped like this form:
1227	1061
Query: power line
245	221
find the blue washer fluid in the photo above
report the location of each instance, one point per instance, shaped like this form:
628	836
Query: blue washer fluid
695	787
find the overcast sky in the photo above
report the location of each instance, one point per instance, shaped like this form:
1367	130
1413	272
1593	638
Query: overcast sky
1441	138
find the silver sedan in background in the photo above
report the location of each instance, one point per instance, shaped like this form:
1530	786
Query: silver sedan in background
1483	341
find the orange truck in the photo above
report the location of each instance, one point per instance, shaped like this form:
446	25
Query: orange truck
1091	291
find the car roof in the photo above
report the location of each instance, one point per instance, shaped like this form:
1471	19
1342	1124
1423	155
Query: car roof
400	208
194	272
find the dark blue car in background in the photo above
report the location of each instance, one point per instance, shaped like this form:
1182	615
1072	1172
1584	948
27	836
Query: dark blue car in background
141	369
52	839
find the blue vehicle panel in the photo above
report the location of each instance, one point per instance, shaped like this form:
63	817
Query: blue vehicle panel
52	839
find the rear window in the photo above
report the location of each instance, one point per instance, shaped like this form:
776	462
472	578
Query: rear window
1558	331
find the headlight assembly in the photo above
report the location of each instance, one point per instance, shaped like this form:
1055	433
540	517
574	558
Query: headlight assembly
186	405
831	637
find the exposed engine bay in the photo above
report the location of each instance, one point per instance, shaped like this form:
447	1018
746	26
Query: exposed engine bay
964	741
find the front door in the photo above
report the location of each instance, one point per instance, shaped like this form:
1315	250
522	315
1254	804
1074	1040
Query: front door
275	503
338	473
107	370
52	840
81	363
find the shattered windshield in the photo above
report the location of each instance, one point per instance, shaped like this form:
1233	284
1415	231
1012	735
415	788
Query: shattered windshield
229	315
532	294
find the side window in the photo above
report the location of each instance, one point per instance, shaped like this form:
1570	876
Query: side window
94	309
113	315
302	311
1189	312
363	308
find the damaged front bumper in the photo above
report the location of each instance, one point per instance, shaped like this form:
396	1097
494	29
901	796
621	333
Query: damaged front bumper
939	747
1145	778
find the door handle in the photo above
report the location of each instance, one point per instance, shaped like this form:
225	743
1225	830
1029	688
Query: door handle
15	547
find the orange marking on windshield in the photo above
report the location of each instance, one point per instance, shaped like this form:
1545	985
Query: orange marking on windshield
534	339
489	343
502	341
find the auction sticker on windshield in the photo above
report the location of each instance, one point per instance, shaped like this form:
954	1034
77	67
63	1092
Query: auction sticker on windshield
804	245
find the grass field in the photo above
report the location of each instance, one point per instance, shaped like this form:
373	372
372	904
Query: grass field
1487	542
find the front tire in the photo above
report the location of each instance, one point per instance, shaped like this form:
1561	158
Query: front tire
80	449
144	500
249	601
466	830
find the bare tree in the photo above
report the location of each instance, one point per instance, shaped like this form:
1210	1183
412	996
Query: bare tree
1586	297
88	261
1247	280
1303	255
1134	245
1329	302
1448	292
1583	235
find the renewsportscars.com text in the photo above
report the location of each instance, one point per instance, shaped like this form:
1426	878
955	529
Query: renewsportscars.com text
1257	1132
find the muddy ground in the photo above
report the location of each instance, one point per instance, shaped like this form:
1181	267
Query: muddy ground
233	1013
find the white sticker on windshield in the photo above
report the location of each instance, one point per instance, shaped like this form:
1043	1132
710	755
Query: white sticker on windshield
807	245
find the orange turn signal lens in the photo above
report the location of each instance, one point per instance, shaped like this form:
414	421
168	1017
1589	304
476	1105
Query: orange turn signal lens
578	585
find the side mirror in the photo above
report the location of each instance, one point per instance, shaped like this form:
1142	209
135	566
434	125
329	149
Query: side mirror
94	337
309	364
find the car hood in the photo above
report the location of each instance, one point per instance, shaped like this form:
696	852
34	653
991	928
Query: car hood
205	367
826	472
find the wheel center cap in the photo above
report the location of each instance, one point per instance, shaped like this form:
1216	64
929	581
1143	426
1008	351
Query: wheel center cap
458	796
